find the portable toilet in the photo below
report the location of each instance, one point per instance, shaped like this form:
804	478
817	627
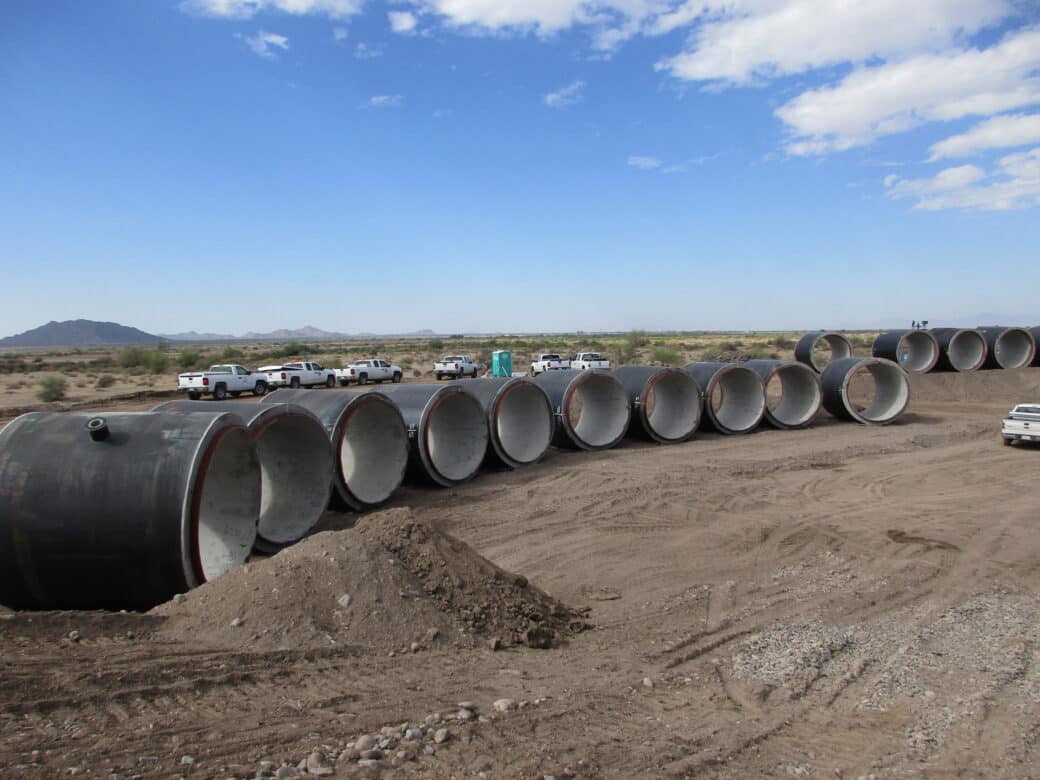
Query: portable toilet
502	363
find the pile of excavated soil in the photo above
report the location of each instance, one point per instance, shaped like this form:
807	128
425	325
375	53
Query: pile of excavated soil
388	583
1013	386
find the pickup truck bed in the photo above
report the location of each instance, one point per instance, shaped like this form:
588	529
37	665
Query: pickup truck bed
1022	424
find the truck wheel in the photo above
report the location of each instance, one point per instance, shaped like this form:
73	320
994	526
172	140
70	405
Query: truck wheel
260	388
397	377
220	392
1007	442
194	395
438	377
294	383
343	383
330	381
236	393
362	379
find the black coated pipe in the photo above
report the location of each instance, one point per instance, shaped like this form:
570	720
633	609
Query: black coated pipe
1035	333
916	351
666	402
960	349
165	503
369	442
447	431
804	350
295	466
740	394
519	417
891	394
800	394
1008	347
591	408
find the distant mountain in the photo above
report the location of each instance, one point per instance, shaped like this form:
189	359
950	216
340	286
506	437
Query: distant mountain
306	332
79	333
194	335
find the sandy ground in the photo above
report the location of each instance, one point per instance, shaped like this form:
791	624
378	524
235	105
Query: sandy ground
842	601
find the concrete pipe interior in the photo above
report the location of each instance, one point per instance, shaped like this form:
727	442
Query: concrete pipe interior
876	392
370	462
918	352
966	350
829	347
793	395
1014	348
672	405
737	399
597	409
456	436
523	422
294	476
224	508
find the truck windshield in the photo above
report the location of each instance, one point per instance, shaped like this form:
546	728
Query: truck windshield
550	357
452	359
1027	410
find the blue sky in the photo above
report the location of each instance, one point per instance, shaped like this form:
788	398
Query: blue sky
474	165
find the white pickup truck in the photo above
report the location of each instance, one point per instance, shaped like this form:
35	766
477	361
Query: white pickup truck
301	374
548	361
455	367
584	361
221	380
1022	424
365	371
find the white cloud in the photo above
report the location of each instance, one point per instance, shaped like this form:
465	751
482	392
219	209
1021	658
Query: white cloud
442	113
1000	132
246	9
644	163
386	101
875	101
741	40
402	21
544	16
263	44
565	96
364	51
1014	185
339	33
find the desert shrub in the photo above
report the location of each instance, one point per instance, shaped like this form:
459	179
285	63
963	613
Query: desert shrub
711	354
435	345
665	356
417	373
105	380
782	342
129	357
155	361
759	353
188	358
51	388
230	353
731	346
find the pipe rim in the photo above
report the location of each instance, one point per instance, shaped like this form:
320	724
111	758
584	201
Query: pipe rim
355	406
436	400
930	361
868	365
792	367
575	385
669	373
494	421
1012	332
960	334
709	408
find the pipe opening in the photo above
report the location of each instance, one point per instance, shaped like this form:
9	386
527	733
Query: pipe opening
294	477
523	422
829	347
917	352
966	350
372	451
793	395
876	392
736	399
672	405
225	505
597	409
456	436
1014	348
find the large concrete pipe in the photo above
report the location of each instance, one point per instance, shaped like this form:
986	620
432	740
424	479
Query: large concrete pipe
592	408
917	351
1008	347
447	429
295	466
1035	333
805	349
734	396
369	442
882	402
799	397
122	511
666	402
960	349
519	417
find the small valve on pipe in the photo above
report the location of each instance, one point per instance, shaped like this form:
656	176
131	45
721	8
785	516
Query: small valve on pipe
97	428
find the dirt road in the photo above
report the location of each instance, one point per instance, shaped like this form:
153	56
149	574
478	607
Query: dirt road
842	601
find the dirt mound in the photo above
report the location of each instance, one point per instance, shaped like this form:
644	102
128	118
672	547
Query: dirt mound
1014	386
388	583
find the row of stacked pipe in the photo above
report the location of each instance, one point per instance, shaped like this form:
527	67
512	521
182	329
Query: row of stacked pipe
125	510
